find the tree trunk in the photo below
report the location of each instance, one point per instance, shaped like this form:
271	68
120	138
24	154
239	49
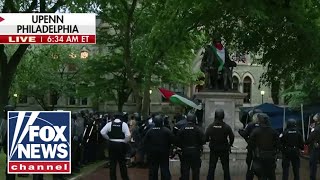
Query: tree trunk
121	101
4	93
275	91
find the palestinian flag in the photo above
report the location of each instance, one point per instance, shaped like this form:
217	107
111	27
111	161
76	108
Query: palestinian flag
178	99
220	54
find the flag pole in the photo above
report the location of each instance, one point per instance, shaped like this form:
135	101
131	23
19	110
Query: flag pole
309	127
302	122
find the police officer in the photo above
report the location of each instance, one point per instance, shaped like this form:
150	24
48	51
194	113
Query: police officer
245	133
4	137
190	139
314	143
292	142
265	142
118	134
182	122
217	134
157	144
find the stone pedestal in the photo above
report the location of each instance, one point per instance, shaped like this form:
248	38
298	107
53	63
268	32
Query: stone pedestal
230	102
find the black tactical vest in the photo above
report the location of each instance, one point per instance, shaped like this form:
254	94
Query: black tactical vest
116	131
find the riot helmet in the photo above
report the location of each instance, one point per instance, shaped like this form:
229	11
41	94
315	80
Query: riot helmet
118	115
192	118
219	115
264	119
292	123
158	121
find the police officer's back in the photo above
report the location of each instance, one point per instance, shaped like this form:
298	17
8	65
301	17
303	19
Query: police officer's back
157	143
221	138
265	142
180	124
314	146
292	142
118	134
245	133
190	139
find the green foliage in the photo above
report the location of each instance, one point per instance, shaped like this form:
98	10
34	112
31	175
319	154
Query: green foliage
105	79
285	32
49	69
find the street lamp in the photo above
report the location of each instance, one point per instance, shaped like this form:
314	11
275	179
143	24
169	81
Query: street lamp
262	94
15	99
84	53
150	91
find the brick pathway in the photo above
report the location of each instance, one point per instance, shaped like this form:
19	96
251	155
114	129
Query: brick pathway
142	174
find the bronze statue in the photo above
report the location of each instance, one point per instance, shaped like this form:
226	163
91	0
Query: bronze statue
217	66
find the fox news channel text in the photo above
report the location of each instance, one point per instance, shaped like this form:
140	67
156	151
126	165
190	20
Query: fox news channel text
39	142
47	28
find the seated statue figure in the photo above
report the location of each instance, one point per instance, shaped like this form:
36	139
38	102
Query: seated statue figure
217	66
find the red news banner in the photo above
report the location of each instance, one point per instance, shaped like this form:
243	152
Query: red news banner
36	28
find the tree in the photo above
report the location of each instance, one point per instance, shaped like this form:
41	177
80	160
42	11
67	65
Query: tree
155	42
10	62
8	65
105	82
285	32
48	72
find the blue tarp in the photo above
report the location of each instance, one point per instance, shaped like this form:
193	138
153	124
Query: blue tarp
275	113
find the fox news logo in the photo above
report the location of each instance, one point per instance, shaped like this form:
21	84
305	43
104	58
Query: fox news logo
39	142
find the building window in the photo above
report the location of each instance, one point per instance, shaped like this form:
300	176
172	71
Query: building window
247	84
23	99
235	83
72	101
84	101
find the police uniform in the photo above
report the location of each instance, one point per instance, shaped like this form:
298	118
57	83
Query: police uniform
245	133
190	139
182	122
292	142
118	134
314	141
265	142
179	125
217	134
157	144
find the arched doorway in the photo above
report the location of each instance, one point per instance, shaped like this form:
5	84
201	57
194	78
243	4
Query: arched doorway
247	88
235	83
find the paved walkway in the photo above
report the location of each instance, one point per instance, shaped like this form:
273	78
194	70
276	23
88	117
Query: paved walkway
142	174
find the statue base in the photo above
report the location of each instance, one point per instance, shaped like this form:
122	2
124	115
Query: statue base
230	102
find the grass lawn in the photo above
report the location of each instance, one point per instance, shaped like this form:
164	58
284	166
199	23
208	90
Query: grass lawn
84	170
